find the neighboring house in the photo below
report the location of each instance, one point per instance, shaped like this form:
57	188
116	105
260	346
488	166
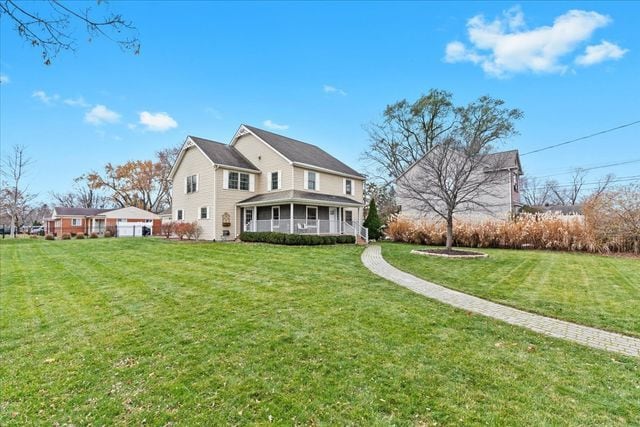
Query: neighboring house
262	181
501	200
165	215
122	221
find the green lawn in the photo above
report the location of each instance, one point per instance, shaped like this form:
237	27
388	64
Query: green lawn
589	289
117	331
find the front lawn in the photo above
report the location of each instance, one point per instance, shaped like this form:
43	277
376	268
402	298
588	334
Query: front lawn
589	289
133	331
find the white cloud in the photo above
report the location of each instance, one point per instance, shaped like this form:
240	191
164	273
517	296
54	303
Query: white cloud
157	122
604	51
505	46
275	126
44	98
4	79
333	89
213	112
100	114
76	102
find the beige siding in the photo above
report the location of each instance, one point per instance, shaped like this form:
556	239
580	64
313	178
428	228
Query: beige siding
330	184
265	159
194	163
226	200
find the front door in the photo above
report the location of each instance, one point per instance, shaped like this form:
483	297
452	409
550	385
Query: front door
248	217
333	220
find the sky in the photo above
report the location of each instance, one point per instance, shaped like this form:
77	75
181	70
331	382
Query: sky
319	72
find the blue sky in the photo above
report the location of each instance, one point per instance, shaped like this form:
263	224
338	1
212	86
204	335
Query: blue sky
320	71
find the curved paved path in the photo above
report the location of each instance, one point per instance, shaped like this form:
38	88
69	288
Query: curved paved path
591	337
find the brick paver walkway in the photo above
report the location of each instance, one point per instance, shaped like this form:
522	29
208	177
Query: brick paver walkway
592	337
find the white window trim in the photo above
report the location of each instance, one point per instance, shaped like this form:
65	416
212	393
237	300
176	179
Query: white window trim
197	184
73	222
344	186
200	212
306	180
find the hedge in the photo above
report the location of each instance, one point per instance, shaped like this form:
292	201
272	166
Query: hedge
293	239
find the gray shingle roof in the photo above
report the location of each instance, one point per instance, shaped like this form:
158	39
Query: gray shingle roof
223	154
79	211
290	195
302	152
504	160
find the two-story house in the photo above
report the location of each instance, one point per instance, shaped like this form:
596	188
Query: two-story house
500	199
262	181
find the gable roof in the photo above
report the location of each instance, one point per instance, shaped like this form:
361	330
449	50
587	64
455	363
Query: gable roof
64	211
501	160
505	160
222	154
303	153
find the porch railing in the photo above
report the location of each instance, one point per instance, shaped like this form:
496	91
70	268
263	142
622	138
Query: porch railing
310	226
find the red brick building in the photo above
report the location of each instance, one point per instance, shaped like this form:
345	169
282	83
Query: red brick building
129	221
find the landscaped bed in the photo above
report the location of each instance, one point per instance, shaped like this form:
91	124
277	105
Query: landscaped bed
594	290
133	331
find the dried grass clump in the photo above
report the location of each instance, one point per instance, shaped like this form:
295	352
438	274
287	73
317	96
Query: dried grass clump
527	231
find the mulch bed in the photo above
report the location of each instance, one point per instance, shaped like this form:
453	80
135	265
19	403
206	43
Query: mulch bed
453	253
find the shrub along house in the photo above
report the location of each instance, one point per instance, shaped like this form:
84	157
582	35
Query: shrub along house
123	222
262	181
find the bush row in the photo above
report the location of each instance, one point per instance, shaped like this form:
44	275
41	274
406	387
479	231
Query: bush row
532	231
180	229
293	239
69	236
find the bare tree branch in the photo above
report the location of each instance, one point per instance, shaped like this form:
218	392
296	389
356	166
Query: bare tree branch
52	32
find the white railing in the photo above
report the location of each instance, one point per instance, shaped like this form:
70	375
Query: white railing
309	226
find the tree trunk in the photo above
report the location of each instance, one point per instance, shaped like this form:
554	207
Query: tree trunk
449	232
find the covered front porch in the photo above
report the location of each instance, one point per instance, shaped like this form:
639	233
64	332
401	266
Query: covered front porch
313	216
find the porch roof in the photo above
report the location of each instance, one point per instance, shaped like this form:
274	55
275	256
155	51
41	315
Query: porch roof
297	196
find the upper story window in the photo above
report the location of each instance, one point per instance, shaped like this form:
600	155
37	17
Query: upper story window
348	186
515	185
311	180
192	184
244	181
274	181
238	181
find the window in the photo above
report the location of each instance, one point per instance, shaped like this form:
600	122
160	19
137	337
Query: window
348	186
274	181
311	180
76	222
192	184
348	217
238	180
233	180
312	213
244	181
275	213
179	215
204	212
515	185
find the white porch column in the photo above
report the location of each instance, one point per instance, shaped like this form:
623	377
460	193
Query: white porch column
291	218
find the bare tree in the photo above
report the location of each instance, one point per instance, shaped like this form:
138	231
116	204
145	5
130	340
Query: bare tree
49	25
83	195
15	198
534	192
568	194
166	158
407	131
459	174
